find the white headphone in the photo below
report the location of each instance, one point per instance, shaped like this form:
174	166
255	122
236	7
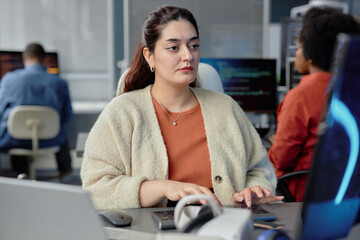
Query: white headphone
185	217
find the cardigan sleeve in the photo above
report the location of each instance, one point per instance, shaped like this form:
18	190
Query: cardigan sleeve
236	150
106	167
259	169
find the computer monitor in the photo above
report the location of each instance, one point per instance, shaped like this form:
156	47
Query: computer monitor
332	198
294	76
12	60
45	210
250	82
290	29
51	62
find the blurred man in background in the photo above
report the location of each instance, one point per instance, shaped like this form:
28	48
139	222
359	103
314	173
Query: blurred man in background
34	86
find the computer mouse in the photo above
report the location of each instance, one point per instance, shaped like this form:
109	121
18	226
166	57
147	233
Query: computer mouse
116	218
273	234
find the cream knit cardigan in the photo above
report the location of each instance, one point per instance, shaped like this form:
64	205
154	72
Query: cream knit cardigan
125	147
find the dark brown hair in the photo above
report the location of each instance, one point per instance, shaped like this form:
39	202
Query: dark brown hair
139	75
35	50
319	31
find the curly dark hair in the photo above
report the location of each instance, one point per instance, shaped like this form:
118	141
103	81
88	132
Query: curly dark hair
321	25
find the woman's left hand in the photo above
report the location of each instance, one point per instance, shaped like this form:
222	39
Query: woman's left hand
256	195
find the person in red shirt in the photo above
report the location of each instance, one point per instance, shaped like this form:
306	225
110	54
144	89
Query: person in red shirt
300	112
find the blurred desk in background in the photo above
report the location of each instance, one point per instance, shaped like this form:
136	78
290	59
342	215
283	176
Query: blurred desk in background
88	107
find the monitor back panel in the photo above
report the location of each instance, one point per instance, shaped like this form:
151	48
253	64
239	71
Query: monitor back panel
42	211
332	197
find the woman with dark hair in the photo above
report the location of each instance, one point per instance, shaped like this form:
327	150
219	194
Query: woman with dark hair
164	138
300	112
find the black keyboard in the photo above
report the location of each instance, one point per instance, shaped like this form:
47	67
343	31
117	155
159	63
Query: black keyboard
255	209
258	213
164	219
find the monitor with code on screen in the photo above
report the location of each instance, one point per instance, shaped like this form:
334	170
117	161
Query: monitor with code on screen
250	82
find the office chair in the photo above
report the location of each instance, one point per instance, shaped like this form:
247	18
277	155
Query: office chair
208	78
282	188
33	123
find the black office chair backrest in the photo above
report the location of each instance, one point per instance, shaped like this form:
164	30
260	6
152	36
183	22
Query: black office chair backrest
282	187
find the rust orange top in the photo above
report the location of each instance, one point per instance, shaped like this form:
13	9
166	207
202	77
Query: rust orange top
186	144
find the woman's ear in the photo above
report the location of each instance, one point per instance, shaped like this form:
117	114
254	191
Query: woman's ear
148	57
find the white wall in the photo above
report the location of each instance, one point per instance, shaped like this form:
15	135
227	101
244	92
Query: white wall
79	31
228	28
76	29
275	43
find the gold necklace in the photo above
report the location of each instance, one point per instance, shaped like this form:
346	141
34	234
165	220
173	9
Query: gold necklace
166	111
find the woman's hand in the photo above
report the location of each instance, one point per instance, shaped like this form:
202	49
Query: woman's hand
176	190
152	192
256	195
272	139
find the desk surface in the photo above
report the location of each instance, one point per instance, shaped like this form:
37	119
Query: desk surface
286	213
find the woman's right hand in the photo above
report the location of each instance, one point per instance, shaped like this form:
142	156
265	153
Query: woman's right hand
152	192
174	191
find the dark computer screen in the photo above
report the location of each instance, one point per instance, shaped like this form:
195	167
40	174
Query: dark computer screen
332	198
250	82
12	60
